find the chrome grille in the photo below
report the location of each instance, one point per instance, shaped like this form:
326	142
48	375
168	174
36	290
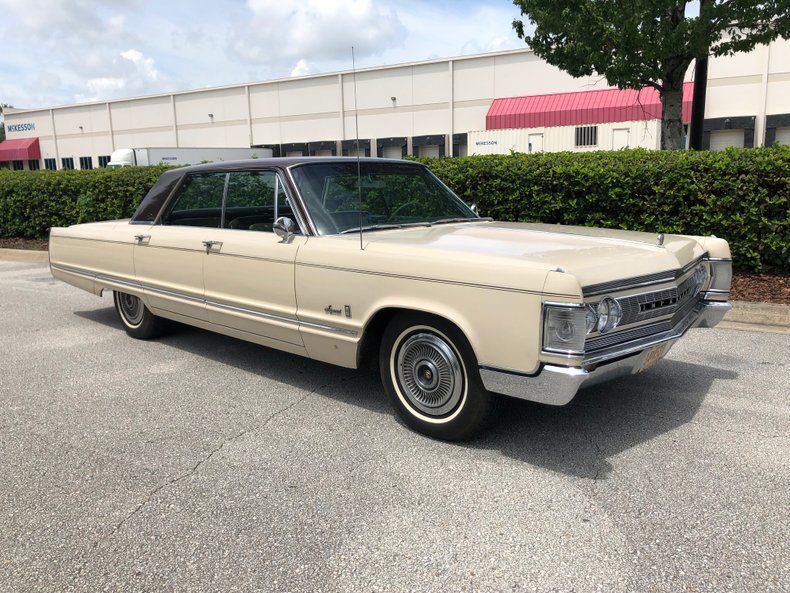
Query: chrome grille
641	307
676	302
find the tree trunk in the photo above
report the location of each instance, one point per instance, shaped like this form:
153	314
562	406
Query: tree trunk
672	135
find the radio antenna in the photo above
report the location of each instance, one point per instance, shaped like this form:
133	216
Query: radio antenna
356	134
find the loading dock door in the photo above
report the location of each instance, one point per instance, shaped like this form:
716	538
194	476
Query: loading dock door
721	139
392	152
620	138
327	152
783	135
430	150
535	143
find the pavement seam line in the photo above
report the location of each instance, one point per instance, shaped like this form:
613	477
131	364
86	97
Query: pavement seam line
148	497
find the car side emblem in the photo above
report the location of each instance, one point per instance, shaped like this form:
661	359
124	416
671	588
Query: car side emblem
330	311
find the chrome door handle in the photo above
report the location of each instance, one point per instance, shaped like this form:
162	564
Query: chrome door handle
210	244
140	238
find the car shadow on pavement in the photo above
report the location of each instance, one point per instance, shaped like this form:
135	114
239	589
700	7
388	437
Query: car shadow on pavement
291	369
603	421
576	440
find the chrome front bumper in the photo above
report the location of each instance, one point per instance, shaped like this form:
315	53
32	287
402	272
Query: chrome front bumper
557	385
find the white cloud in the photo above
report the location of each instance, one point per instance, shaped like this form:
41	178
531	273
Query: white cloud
321	30
134	75
302	68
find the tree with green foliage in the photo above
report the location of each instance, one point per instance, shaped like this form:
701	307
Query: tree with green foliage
648	43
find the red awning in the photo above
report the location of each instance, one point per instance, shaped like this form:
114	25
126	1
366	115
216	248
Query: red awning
20	149
581	108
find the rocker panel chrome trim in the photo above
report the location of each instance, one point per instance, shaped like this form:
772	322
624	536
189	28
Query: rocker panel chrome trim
105	278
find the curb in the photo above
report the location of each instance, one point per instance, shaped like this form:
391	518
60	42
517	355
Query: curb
25	255
767	317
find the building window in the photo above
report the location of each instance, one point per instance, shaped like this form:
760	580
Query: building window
18	165
86	162
33	165
67	163
103	160
587	136
50	164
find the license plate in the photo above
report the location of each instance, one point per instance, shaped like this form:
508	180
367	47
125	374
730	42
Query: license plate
653	355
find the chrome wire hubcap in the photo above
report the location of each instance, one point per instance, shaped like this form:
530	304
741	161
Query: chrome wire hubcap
132	308
429	374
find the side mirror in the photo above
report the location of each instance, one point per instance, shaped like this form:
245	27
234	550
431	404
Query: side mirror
284	228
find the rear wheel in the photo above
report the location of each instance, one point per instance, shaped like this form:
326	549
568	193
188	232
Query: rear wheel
430	374
137	319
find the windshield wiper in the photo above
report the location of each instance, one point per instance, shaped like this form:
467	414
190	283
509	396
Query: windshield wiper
371	227
449	220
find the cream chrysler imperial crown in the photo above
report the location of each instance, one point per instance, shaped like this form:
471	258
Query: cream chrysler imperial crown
453	307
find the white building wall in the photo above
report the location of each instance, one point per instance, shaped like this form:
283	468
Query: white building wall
639	134
438	97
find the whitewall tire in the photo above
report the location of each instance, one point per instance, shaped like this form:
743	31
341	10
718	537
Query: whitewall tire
137	319
431	377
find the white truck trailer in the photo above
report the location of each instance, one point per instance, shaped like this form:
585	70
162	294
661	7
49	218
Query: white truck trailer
139	157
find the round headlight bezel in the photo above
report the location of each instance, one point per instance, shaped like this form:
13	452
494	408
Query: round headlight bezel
590	319
610	313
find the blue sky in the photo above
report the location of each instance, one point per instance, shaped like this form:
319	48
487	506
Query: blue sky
65	51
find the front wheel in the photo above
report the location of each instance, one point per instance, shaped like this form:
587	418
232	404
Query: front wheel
137	320
430	375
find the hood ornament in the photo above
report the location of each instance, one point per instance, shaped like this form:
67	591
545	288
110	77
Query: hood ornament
660	239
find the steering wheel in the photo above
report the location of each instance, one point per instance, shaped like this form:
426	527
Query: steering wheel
401	207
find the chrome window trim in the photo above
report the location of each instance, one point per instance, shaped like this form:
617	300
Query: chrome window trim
202	300
309	219
303	226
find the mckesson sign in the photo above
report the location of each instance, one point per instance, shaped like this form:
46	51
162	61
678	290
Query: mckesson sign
27	127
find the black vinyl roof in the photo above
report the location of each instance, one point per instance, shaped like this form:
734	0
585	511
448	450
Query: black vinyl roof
283	162
157	196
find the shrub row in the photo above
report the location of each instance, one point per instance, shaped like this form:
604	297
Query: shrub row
742	195
33	201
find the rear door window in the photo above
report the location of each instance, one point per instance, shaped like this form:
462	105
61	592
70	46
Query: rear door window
198	202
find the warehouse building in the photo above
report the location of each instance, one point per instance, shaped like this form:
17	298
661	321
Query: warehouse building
493	102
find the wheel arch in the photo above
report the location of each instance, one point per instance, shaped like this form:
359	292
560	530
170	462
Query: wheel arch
373	330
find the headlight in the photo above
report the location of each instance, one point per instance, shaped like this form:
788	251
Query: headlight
609	314
564	328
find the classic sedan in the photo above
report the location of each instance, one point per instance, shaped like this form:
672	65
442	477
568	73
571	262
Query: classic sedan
357	261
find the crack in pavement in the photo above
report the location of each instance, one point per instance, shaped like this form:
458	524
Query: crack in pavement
191	471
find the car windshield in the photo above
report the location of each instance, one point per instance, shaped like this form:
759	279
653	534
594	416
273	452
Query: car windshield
393	195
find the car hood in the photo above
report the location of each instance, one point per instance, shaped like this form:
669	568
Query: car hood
592	255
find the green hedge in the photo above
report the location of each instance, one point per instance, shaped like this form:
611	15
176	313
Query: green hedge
33	201
742	195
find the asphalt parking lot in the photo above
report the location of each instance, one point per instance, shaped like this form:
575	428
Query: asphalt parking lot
202	463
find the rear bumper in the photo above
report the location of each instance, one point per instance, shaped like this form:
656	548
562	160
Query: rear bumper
557	385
